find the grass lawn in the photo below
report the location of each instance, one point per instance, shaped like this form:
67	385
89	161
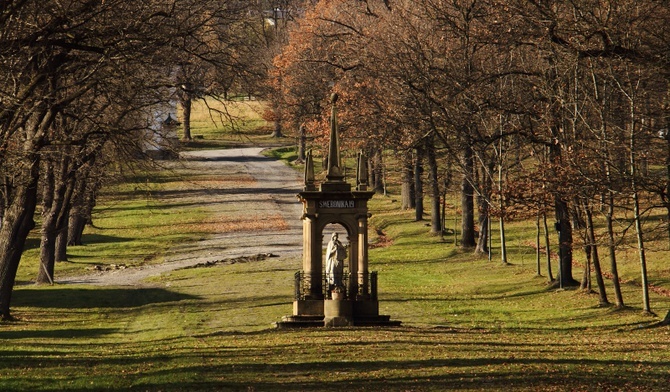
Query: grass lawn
468	324
228	123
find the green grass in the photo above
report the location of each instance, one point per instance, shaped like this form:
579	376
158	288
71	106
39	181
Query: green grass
468	324
130	230
287	154
228	123
208	329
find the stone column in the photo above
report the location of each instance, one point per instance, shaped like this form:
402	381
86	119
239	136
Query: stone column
363	256
352	290
311	258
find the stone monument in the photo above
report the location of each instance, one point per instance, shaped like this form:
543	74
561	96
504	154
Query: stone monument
331	296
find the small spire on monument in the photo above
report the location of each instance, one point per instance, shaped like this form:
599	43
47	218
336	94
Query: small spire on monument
362	172
334	173
309	172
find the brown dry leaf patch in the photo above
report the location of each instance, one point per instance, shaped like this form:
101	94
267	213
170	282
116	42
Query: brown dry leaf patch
242	179
225	224
217	183
382	242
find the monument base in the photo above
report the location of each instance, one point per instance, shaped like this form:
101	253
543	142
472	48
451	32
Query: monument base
299	322
338	313
334	322
308	307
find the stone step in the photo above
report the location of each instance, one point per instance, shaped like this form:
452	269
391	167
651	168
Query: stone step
302	318
318	321
299	322
376	321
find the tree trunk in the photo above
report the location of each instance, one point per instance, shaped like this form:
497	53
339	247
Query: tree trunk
564	244
418	184
586	275
467	200
186	104
378	169
641	251
435	216
407	193
83	202
62	225
302	143
76	227
277	130
483	203
483	224
537	246
611	244
61	245
609	214
594	256
48	237
638	219
563	221
547	245
667	171
17	224
2	203
54	214
503	237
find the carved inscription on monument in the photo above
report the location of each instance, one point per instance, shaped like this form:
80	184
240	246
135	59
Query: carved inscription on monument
336	204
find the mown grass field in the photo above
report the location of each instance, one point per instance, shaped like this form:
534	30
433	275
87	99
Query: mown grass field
225	123
469	324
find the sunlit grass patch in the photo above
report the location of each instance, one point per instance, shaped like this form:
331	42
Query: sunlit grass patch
466	327
232	120
468	323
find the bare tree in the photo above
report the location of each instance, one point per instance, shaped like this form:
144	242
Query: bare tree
81	74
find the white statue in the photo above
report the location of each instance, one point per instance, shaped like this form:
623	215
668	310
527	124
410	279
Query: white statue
335	255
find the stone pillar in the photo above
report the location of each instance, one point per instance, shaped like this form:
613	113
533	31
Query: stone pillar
311	258
352	290
362	276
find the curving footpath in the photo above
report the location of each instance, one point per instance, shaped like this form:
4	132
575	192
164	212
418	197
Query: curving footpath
271	193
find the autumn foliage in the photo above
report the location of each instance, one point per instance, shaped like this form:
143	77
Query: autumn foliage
553	108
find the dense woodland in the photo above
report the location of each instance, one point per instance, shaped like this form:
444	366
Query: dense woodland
554	111
83	89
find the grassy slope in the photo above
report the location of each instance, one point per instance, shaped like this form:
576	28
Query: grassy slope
221	124
468	324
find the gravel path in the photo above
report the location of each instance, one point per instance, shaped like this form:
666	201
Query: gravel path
272	192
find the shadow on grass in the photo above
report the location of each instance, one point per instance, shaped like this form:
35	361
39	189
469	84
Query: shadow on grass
90	239
32	243
212	191
495	374
77	298
65	333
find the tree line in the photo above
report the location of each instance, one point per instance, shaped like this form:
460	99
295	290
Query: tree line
552	110
86	87
556	110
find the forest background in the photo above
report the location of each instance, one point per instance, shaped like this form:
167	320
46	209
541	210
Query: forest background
552	113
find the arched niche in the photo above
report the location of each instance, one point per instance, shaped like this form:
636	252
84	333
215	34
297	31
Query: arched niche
348	209
350	241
